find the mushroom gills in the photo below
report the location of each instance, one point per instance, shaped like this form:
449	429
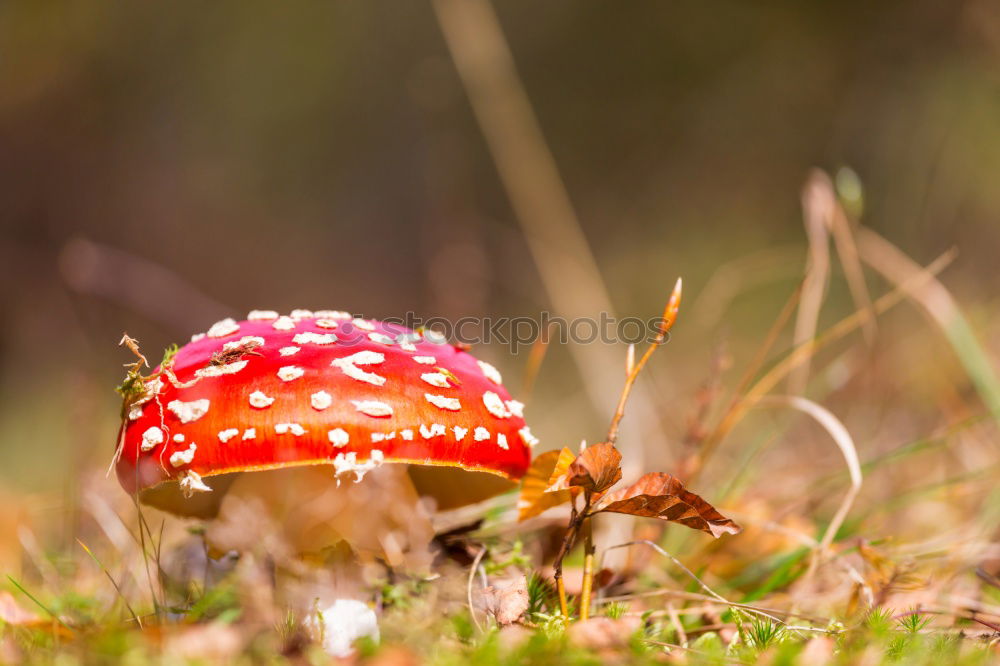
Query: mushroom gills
453	487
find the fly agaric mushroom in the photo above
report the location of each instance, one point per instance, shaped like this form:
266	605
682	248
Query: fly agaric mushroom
318	389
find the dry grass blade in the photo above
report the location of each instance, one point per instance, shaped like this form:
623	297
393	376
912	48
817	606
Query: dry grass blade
818	203
661	496
675	622
847	250
140	540
38	603
762	353
530	176
842	438
922	287
710	440
39	560
807	349
468	590
114	583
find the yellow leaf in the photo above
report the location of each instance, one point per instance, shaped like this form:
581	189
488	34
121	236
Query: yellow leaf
535	494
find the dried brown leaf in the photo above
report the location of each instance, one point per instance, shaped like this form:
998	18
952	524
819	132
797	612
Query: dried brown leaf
506	600
596	469
536	496
659	495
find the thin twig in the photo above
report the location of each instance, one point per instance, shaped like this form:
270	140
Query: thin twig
626	390
666	323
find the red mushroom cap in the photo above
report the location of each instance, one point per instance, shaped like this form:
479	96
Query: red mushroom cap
319	388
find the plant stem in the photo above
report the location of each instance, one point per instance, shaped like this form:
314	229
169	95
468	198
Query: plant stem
666	323
563	608
627	389
588	569
567	543
576	520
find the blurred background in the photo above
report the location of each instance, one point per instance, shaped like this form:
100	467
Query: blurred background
162	170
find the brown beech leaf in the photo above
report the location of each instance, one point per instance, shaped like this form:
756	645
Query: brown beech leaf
535	495
659	495
596	469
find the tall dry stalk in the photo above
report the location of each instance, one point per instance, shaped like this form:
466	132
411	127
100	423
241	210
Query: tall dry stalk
529	174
